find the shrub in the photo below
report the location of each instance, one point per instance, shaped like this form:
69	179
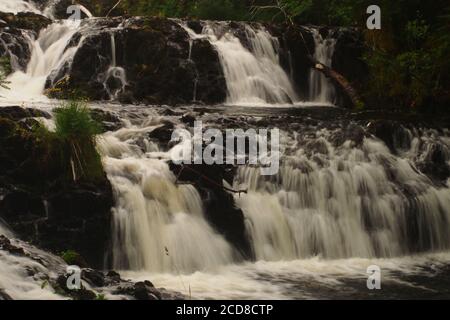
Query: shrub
71	147
70	257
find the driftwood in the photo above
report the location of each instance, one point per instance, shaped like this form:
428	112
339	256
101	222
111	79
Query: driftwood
340	80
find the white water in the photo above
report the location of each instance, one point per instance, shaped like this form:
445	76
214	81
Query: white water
15	6
347	207
158	225
49	54
300	279
321	90
253	75
118	74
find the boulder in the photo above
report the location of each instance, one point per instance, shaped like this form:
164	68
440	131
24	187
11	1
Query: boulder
25	20
154	53
42	207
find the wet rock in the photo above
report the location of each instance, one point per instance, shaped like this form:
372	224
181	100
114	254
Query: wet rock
219	205
154	53
44	210
140	291
108	120
17	113
94	277
4	296
25	20
435	163
189	118
385	131
163	133
5	245
80	294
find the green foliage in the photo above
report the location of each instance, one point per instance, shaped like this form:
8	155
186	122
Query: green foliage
71	147
100	296
218	10
70	257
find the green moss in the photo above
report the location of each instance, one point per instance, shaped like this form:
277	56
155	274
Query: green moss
70	257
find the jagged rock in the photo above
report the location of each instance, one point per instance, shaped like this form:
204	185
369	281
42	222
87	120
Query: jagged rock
163	133
108	120
25	20
43	209
15	47
435	164
17	113
154	53
219	204
140	290
5	245
4	296
93	277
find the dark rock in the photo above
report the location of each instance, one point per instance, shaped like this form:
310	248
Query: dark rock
16	48
4	296
435	163
163	133
189	118
219	204
25	20
140	291
108	120
44	209
5	245
195	25
17	113
154	53
81	294
94	277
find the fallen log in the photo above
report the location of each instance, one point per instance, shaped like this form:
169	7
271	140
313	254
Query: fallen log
339	80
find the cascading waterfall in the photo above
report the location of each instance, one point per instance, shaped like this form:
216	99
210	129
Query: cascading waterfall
49	53
344	202
158	225
253	75
321	90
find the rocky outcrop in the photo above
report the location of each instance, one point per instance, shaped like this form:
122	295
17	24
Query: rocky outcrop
39	205
24	20
15	33
154	53
53	275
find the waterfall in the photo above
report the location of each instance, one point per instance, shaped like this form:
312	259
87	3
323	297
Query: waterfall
158	225
342	202
50	52
253	74
334	201
321	89
114	80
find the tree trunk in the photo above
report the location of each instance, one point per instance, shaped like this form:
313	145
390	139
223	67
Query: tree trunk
340	80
